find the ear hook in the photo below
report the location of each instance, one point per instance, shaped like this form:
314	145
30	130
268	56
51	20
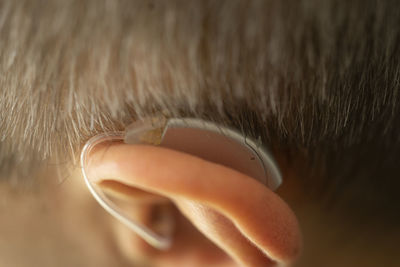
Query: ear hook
204	139
147	234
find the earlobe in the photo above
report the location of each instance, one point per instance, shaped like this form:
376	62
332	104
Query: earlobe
242	216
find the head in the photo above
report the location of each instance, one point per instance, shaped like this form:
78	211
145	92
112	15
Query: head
316	81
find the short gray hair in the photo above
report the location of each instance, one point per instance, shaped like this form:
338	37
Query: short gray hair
317	79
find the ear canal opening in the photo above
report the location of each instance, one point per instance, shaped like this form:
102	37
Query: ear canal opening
151	210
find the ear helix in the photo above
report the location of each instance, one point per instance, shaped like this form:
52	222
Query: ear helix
204	139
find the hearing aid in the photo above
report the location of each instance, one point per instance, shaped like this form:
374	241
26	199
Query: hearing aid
207	140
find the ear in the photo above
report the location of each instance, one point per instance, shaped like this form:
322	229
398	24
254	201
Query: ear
241	216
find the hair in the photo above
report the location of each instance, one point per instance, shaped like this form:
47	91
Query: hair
319	80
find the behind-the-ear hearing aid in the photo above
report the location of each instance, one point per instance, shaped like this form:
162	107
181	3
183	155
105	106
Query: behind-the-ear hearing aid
204	139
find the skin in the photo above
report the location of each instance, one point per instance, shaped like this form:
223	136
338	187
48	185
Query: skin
192	183
62	225
56	54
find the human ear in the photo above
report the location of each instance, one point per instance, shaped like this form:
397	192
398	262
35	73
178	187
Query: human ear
240	215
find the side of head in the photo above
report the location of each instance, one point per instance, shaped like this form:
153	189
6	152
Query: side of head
317	81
